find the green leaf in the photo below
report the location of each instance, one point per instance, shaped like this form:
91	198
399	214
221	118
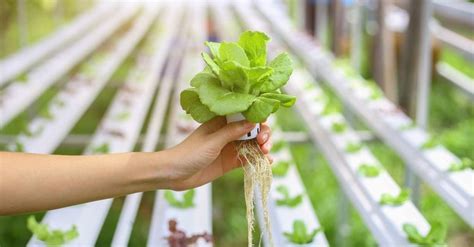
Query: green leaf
101	149
436	236
233	77
402	197
338	127
190	102
285	100
122	116
287	200
282	69
300	233
430	143
213	48
46	114
257	76
222	101
281	168
22	78
353	147
202	78
187	201
51	237
260	109
255	46
212	65
369	170
463	164
278	145
233	52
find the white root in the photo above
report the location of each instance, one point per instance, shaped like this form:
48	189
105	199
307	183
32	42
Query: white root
257	171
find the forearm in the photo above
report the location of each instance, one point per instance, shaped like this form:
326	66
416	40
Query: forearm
34	182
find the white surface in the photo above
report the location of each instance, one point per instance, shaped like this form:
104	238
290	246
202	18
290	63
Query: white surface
19	62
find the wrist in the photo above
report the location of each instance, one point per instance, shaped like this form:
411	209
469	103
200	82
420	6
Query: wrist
150	171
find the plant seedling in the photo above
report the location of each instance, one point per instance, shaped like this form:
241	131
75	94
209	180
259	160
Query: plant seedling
46	113
22	78
353	147
330	108
338	127
281	168
463	164
187	201
51	237
300	234
401	198
430	143
122	116
101	149
287	200
369	170
238	81
278	146
435	237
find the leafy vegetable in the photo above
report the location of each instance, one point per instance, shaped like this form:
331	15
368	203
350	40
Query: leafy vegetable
369	170
430	143
353	147
101	149
287	200
401	198
281	168
22	78
51	237
278	146
300	234
237	79
187	201
122	116
463	164
435	237
338	127
46	114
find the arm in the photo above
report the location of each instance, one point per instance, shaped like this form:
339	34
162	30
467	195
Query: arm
35	182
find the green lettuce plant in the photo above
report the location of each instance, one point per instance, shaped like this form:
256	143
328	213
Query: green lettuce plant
436	236
238	79
402	197
300	234
186	202
48	236
281	168
287	200
463	164
367	170
353	147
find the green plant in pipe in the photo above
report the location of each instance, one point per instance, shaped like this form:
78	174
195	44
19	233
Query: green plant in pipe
367	170
281	168
353	147
463	164
51	237
186	202
402	197
435	237
300	234
287	200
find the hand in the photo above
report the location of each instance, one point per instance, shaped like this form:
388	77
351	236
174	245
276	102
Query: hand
209	152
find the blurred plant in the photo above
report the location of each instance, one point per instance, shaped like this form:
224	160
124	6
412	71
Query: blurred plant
402	197
281	168
300	234
187	201
436	236
463	164
287	200
369	170
51	237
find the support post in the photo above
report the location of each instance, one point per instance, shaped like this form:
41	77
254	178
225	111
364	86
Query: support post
416	77
383	61
356	35
322	21
22	22
337	38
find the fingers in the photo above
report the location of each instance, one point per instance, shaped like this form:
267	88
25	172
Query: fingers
231	132
212	125
266	147
264	134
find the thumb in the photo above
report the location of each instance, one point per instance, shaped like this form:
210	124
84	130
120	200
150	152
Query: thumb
231	132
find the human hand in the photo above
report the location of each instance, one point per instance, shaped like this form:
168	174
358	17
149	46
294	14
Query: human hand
209	152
